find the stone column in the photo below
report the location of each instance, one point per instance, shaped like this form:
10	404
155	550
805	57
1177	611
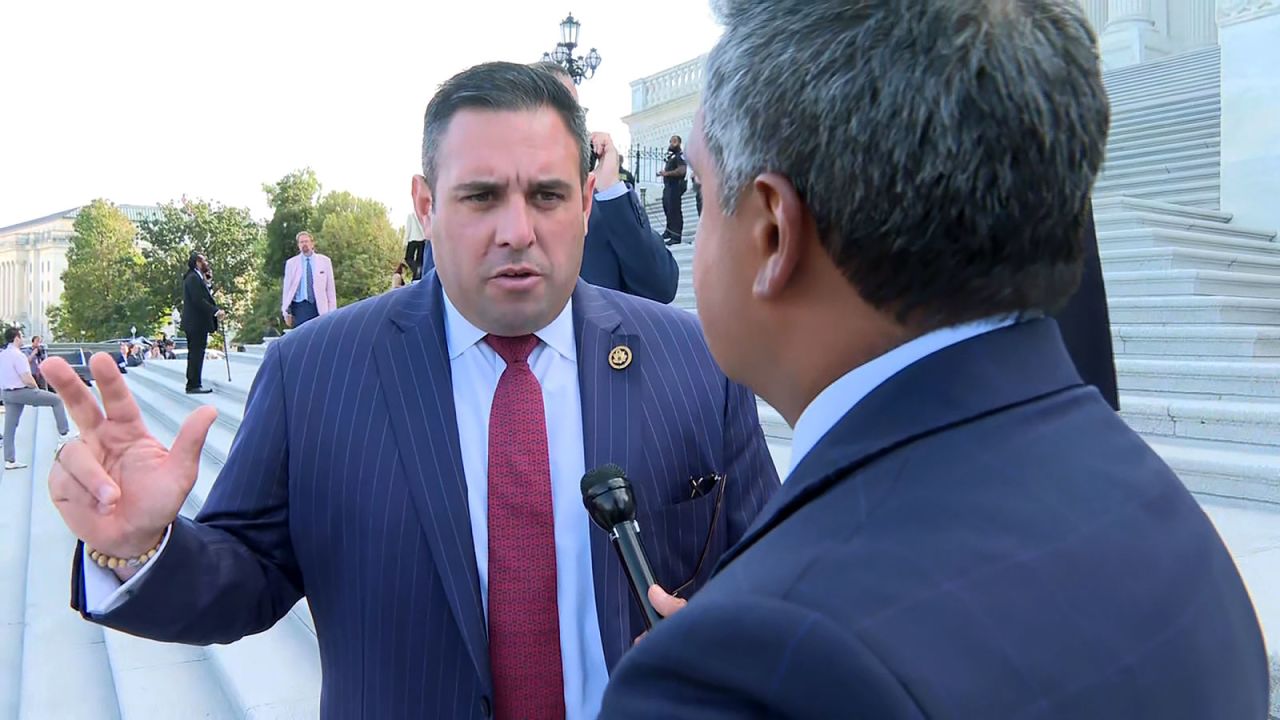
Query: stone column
1130	36
1249	32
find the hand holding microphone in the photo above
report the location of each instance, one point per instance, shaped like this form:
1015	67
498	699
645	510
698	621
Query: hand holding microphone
607	495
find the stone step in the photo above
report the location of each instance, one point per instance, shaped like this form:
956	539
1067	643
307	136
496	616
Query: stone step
1222	469
165	680
1186	342
1194	147
66	672
1154	283
1183	152
1105	208
243	368
1183	114
1203	81
1201	379
1254	424
1207	132
1194	310
1177	258
1139	219
1159	103
165	395
1164	168
1203	198
1162	67
16	491
1165	131
272	674
1171	188
1138	238
771	421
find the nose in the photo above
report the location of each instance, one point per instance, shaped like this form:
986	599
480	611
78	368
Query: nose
515	225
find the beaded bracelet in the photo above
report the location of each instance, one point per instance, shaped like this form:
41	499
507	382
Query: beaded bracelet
106	561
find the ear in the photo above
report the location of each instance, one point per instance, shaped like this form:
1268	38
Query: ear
781	234
588	199
422	201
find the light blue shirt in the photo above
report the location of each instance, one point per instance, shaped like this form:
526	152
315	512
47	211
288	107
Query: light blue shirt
841	396
476	368
301	295
617	190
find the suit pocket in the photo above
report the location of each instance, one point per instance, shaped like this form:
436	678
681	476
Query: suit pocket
675	536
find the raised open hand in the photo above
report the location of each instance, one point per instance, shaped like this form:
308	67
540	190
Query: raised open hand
117	487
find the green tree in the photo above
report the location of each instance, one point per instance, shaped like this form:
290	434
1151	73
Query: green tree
229	237
293	204
363	245
103	294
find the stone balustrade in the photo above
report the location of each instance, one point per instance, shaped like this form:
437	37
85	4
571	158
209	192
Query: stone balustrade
675	82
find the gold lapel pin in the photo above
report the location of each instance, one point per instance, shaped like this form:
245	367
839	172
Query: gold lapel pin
620	357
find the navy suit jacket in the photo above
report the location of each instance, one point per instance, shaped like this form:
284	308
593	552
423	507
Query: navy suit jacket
980	537
345	483
621	252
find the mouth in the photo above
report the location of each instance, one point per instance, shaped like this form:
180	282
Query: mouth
516	277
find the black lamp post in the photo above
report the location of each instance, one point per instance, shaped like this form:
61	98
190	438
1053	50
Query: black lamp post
579	67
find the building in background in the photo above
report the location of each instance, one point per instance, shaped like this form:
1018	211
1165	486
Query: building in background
33	256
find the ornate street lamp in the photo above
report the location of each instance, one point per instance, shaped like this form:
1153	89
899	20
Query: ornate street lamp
579	68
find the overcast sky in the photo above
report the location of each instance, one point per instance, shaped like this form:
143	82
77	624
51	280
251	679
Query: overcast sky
143	101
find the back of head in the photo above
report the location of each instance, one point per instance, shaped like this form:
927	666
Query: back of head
10	334
945	149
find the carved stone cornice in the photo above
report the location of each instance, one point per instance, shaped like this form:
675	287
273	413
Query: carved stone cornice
1231	12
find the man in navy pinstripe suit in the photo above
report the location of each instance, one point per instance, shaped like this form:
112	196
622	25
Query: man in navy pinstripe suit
423	494
968	530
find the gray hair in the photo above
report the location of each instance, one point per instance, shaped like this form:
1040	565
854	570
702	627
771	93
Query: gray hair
945	148
500	86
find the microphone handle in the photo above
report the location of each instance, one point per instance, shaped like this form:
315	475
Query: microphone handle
626	538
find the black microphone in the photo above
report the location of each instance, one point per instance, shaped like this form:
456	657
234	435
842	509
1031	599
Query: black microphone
608	499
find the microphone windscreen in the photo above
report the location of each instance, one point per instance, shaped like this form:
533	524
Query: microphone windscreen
600	476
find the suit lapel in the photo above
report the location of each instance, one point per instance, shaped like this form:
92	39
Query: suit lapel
955	385
610	399
415	372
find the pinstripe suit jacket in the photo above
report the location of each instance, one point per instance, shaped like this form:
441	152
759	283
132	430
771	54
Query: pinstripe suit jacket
345	484
980	537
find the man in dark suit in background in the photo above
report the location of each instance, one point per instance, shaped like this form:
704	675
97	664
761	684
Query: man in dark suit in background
425	494
199	318
621	251
967	529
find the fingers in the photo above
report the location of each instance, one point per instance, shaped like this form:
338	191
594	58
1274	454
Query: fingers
116	398
80	403
184	456
77	466
665	604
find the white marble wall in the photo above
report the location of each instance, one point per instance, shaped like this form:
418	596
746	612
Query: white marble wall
1250	36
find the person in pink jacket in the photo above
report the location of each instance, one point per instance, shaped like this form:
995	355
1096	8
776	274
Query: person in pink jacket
308	284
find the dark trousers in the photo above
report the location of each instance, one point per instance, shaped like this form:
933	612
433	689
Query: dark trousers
303	311
697	198
671	197
196	344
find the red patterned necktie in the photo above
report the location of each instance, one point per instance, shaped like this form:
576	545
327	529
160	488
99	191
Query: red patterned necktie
524	623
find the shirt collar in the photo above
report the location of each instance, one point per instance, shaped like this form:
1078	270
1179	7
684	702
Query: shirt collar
844	394
461	335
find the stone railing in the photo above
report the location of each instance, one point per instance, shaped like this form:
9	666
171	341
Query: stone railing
680	81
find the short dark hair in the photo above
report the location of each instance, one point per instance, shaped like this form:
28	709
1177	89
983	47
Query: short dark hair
945	149
191	260
552	67
11	333
500	86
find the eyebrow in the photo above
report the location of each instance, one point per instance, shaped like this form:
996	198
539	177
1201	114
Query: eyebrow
482	186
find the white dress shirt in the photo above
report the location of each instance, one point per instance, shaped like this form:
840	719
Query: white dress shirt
834	402
13	364
476	368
